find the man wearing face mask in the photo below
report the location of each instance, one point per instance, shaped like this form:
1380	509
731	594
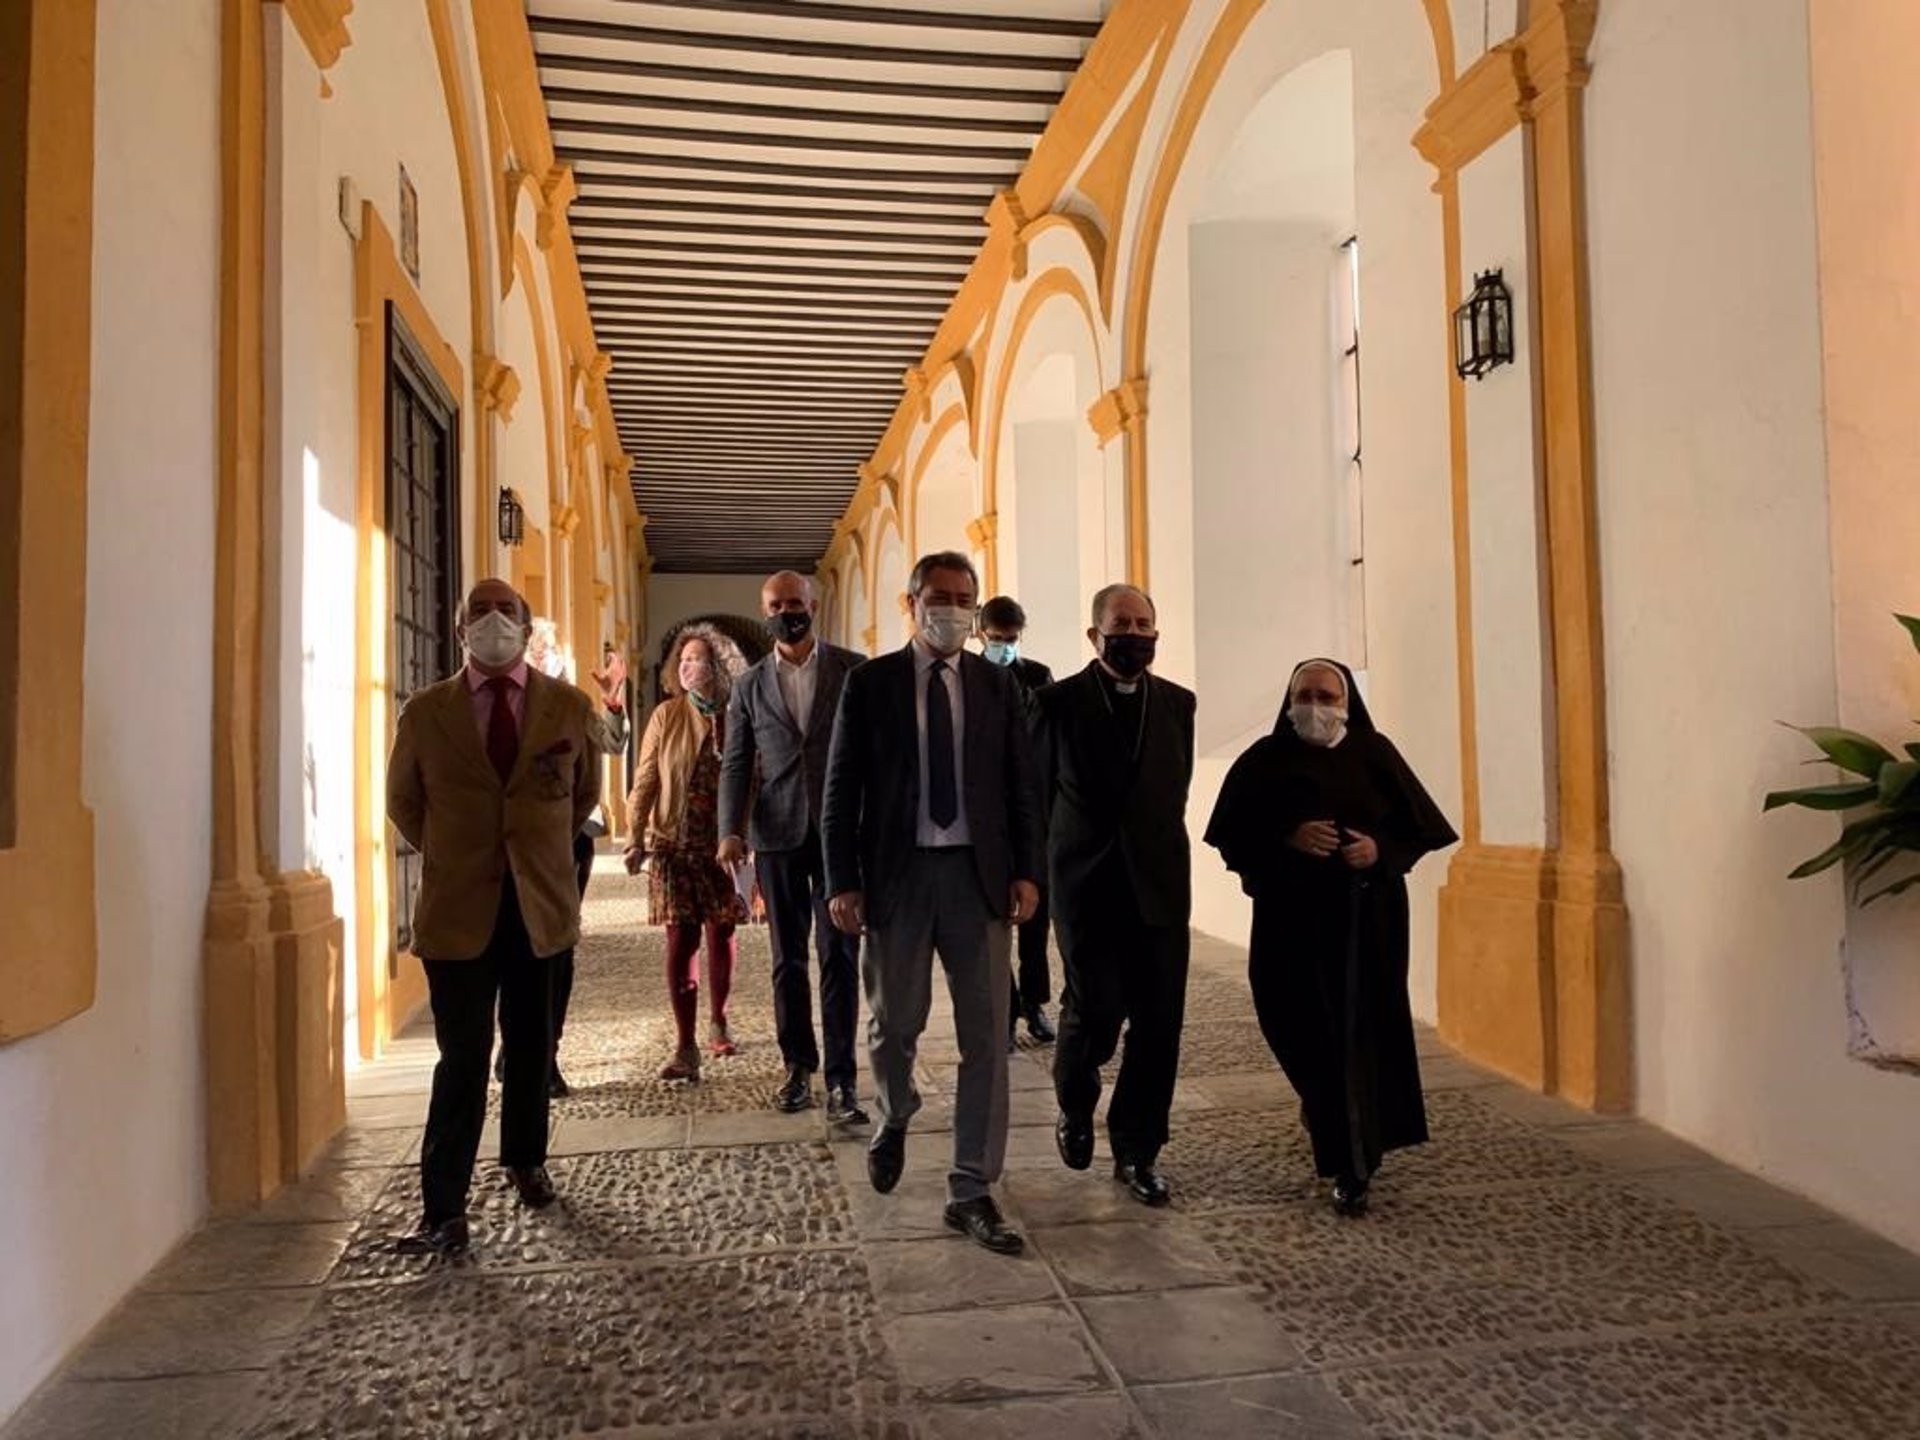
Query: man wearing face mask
1114	745
779	723
493	773
1322	820
932	835
1002	623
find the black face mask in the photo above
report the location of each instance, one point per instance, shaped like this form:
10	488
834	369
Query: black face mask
792	626
1128	656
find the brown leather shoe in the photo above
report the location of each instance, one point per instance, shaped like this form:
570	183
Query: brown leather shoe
533	1183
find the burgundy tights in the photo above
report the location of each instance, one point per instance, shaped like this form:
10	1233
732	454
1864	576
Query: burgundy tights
683	975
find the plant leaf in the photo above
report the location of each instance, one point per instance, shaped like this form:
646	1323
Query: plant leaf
1853	752
1825	797
1854	840
1895	778
1894	889
1912	622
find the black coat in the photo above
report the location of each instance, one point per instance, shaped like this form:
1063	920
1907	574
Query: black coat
1099	797
870	816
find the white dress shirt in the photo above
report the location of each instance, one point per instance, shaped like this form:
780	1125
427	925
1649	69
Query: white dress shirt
926	832
798	684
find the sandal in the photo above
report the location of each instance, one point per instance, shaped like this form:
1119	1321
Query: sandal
685	1065
719	1042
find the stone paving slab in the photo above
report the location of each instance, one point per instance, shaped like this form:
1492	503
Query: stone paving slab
717	1271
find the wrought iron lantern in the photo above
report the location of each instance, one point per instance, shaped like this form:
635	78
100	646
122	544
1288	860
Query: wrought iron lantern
513	517
1483	327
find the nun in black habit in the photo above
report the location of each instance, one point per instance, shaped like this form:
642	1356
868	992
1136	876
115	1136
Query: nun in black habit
1322	820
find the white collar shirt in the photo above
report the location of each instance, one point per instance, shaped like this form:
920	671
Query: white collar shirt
799	683
926	832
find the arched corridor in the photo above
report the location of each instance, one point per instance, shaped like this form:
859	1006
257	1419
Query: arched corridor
1548	362
717	1270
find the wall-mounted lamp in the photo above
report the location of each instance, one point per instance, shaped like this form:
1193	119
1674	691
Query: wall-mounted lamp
513	518
1483	327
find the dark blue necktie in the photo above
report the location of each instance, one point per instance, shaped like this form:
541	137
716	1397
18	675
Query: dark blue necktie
943	800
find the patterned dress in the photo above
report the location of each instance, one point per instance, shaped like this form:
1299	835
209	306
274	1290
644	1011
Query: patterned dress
687	885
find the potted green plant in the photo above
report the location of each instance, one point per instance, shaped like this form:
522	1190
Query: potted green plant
1885	789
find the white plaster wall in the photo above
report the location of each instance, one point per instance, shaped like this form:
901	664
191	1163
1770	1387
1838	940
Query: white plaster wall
1867	132
1268	505
387	108
1719	603
525	460
1047	538
1511	665
1411	639
101	1136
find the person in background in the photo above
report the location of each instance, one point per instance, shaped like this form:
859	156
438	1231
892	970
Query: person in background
673	825
1322	820
1114	747
779	724
1002	623
932	832
492	775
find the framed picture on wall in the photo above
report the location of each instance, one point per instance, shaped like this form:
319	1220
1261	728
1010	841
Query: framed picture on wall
409	226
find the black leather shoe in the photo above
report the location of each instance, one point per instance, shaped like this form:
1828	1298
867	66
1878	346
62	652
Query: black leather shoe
557	1087
886	1157
843	1106
1144	1183
1075	1139
1039	1026
1349	1196
448	1238
979	1220
796	1091
533	1183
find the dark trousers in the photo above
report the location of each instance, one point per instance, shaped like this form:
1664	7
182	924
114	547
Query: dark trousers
1031	984
462	993
1120	971
794	885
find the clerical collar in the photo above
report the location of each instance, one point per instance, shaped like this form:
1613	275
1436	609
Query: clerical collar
1125	687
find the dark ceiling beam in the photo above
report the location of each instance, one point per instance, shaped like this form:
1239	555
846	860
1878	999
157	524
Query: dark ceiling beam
794	114
774	80
846	234
898	351
794	48
569	125
718	398
933	220
880	379
890	15
791	276
915	297
868	177
592	181
768	320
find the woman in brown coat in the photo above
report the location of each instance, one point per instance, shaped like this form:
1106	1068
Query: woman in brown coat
672	815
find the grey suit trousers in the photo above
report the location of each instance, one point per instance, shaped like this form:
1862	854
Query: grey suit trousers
943	912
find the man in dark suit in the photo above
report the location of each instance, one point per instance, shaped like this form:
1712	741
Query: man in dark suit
1002	623
779	724
492	775
932	835
1114	745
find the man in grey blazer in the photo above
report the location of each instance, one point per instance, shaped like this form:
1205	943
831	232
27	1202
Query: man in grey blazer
779	723
932	831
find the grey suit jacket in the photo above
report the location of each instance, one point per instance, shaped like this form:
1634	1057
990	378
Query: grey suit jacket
792	767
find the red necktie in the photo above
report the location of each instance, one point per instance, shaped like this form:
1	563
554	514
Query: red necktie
503	735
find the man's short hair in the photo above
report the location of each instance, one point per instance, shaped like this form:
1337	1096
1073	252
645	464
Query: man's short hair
1002	612
940	560
1104	595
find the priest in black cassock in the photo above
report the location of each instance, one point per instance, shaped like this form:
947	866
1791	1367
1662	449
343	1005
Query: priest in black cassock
1114	748
1322	820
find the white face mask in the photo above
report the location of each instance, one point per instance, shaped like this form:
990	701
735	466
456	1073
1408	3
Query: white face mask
945	627
496	639
1318	724
694	674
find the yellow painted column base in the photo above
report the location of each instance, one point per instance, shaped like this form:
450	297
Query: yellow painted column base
1534	971
276	1071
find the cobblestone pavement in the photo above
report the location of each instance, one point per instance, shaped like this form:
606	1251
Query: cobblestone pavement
716	1269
